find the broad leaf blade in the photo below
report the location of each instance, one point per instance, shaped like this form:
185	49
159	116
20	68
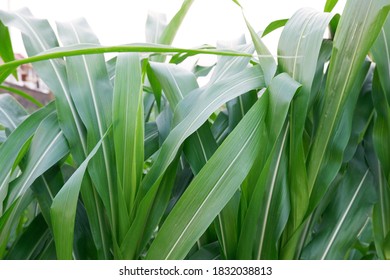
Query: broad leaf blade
170	31
6	50
63	221
128	127
257	227
92	92
11	112
299	49
47	148
274	25
128	124
32	242
350	206
10	149
210	191
329	5
363	19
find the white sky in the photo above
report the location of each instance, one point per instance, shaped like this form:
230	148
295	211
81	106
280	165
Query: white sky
123	21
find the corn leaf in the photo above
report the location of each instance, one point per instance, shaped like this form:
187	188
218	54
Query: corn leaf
11	112
257	227
200	212
38	37
230	165
329	5
92	92
63	221
6	50
273	26
381	130
170	31
47	148
350	206
32	241
128	124
10	150
357	31
298	50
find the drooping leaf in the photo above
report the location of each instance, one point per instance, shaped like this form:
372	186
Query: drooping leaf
230	165
189	120
363	19
265	57
48	146
88	48
31	242
274	25
298	50
6	50
11	112
11	148
214	186
38	37
329	5
346	214
91	90
63	221
22	94
257	227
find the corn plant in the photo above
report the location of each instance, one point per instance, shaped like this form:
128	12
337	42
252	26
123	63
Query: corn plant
282	157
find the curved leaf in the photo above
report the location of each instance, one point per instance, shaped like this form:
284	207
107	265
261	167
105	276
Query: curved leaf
63	221
210	191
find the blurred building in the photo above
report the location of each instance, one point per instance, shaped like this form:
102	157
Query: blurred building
28	82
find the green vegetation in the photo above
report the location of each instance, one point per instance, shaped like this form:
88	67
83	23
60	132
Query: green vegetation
274	158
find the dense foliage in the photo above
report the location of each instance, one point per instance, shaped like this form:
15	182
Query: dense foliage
273	158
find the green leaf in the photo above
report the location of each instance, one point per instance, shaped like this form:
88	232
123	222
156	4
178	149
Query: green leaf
38	36
154	27
63	221
298	50
257	228
216	188
92	92
47	148
190	116
266	60
128	124
11	112
209	192
342	221
191	121
170	31
275	203
22	94
175	81
149	214
45	188
10	149
329	5
364	19
128	127
6	50
208	252
8	221
381	130
199	147
31	242
87	48
274	25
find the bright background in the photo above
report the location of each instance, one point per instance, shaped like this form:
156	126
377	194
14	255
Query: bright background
122	21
